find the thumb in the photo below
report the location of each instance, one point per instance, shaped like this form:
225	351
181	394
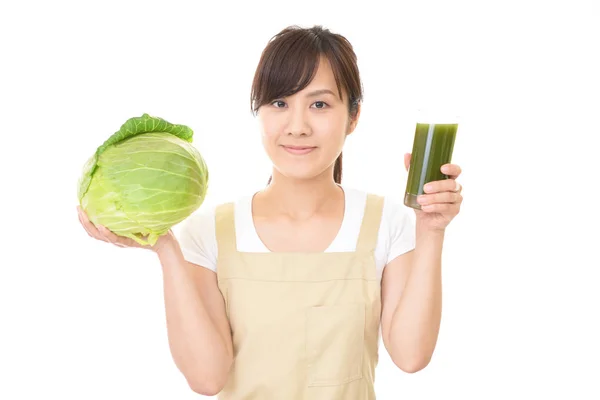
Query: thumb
407	160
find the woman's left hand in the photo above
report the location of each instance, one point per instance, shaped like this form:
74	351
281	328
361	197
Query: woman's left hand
441	201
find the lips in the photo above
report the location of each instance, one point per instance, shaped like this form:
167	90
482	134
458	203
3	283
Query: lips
298	149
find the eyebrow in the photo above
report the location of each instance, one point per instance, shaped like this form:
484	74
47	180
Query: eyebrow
319	92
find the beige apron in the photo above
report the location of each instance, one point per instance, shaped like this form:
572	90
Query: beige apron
305	326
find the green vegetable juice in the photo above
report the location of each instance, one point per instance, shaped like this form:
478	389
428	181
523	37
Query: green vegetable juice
432	148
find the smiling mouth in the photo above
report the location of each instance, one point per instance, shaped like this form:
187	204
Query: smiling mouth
299	149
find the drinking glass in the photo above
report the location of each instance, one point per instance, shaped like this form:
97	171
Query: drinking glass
433	144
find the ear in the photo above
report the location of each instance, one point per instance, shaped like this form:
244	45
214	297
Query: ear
354	121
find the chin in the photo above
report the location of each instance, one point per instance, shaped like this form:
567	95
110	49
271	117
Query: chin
300	168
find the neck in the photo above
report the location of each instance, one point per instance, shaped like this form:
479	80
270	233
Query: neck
301	198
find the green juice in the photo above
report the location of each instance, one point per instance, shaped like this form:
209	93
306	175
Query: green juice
432	148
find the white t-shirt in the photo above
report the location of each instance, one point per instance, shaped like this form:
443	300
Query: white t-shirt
198	240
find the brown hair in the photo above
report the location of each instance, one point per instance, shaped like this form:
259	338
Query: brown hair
290	61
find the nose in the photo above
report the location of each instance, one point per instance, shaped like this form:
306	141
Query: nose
298	124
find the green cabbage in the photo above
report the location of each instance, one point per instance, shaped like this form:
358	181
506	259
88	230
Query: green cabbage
144	179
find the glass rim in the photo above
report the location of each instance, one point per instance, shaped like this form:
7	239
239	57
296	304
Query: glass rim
437	115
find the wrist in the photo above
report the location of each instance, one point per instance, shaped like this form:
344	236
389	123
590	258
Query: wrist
422	231
165	245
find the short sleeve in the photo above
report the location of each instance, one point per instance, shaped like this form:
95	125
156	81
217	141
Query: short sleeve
401	228
197	239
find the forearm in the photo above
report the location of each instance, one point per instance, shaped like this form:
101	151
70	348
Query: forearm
199	350
416	320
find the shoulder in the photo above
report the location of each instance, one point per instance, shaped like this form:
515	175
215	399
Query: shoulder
197	234
397	227
204	218
394	212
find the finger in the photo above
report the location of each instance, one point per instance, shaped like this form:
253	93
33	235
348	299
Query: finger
83	215
407	160
439	198
445	185
106	233
441	208
88	225
115	239
82	223
452	170
109	236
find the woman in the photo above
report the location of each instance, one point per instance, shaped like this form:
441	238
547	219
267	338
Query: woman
283	294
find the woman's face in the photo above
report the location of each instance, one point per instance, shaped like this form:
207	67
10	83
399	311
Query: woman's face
303	134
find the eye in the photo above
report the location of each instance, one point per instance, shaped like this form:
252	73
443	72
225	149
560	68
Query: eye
320	104
278	104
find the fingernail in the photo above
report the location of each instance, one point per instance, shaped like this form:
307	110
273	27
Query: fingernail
427	188
421	199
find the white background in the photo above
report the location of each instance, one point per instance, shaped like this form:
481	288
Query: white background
83	320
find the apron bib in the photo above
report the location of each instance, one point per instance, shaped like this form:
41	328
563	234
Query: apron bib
305	326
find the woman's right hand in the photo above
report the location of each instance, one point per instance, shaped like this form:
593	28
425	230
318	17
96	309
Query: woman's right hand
104	234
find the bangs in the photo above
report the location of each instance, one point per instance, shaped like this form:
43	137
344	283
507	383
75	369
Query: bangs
288	65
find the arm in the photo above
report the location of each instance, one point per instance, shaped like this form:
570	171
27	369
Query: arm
412	302
198	329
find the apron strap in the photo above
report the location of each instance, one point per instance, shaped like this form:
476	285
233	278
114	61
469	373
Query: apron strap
369	231
225	229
